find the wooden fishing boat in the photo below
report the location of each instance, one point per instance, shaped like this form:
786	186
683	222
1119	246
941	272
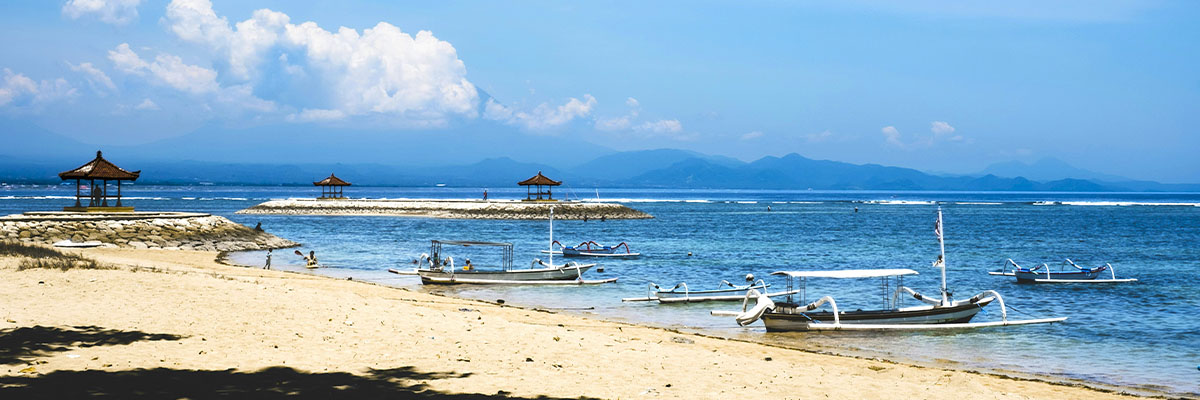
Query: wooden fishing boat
593	249
725	291
1043	274
937	313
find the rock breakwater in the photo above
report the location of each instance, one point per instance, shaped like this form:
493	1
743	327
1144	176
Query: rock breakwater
156	230
452	209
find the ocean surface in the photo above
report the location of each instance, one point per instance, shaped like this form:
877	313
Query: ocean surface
1143	335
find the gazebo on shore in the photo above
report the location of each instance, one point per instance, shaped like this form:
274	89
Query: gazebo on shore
539	181
104	171
331	187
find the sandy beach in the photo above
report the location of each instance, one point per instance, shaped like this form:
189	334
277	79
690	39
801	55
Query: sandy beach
447	208
176	324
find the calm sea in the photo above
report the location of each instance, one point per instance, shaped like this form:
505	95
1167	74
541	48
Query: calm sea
1142	334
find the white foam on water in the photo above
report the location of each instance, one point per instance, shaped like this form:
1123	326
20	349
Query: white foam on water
746	202
978	203
1126	203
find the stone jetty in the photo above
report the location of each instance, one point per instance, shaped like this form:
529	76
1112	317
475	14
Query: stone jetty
156	230
451	209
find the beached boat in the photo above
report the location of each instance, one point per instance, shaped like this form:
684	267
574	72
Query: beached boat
434	269
1043	274
725	291
937	313
593	249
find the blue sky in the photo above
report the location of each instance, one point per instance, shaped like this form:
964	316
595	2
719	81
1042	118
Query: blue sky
948	86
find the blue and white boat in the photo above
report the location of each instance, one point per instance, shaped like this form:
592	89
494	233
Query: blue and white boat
1075	274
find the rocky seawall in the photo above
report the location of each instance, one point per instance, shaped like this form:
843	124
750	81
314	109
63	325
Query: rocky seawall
154	230
453	209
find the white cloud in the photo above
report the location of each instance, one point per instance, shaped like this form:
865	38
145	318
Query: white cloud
171	71
18	89
542	117
99	81
416	79
942	131
892	135
632	102
940	128
166	69
317	115
820	136
613	124
660	126
752	135
116	12
147	105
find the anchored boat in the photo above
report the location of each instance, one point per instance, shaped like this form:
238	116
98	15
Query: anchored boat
725	291
434	269
593	249
937	313
1043	273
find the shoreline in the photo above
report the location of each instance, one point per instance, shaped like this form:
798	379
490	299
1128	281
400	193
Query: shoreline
447	209
274	307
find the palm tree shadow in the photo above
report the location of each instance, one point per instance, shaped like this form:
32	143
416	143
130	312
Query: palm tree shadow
18	344
268	383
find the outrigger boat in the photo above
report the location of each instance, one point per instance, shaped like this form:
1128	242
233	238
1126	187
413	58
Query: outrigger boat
593	249
433	269
725	291
943	313
1042	273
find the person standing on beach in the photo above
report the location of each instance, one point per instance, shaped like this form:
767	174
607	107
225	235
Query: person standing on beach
268	266
484	194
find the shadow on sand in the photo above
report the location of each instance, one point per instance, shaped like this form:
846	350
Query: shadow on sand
18	344
269	383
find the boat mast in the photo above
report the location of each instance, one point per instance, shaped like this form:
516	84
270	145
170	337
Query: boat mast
942	245
552	244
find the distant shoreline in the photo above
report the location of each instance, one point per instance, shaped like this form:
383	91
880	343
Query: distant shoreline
448	209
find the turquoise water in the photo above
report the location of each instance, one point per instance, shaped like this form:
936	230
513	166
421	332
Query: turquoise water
1141	334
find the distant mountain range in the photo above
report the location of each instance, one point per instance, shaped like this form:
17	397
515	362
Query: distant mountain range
36	156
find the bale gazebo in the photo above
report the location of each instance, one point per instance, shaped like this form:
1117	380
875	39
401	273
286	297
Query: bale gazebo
331	187
539	181
104	171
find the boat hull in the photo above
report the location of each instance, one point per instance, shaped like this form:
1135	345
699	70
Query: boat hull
786	317
493	276
1033	277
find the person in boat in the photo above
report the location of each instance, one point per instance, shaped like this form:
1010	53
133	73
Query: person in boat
468	266
311	260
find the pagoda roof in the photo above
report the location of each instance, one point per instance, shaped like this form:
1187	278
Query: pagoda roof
100	168
539	179
331	181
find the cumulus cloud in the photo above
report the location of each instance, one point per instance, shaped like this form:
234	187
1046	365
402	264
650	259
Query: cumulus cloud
380	71
632	102
940	128
542	117
170	70
19	90
752	135
146	105
892	135
99	81
116	12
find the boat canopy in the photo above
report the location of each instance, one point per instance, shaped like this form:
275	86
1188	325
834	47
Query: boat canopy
848	273
470	243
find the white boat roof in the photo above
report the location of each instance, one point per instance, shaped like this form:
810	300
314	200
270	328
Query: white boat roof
848	273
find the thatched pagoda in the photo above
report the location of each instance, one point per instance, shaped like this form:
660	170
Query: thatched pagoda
539	181
104	171
331	187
